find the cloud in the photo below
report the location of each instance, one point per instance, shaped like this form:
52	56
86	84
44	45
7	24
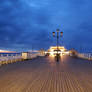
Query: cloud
24	23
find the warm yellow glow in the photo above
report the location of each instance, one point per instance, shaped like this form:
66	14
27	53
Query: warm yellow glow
61	51
4	51
55	48
67	52
51	53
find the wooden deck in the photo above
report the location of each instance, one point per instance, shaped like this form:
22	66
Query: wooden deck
46	75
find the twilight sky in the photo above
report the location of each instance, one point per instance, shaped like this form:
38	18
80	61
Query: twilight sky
29	23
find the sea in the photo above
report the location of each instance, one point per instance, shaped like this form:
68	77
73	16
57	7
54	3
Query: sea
10	54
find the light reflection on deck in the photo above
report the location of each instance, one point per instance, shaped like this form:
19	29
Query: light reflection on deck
47	75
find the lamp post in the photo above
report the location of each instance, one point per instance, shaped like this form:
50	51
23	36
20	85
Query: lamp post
57	36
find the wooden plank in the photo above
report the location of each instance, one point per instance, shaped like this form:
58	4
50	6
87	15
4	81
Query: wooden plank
46	75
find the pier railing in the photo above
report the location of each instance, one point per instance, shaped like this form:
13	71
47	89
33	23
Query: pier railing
85	55
11	58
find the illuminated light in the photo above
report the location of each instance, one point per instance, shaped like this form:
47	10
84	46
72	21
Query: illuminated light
61	54
51	53
67	52
61	33
55	48
61	51
46	52
4	51
54	34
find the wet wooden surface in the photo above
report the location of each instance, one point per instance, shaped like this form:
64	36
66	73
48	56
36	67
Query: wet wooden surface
46	75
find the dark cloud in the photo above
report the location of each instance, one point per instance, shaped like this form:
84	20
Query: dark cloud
24	23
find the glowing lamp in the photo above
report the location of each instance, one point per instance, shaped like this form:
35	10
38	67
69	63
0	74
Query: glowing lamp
61	33
54	34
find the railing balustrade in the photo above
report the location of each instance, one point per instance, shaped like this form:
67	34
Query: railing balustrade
10	58
85	55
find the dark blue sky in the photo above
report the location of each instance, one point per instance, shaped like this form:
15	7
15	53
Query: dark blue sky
29	23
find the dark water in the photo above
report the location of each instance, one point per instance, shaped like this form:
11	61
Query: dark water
10	54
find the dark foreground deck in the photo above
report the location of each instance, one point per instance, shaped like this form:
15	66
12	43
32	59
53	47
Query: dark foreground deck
46	75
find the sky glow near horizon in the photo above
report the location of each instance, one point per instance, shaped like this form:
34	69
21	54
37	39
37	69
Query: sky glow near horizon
27	24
